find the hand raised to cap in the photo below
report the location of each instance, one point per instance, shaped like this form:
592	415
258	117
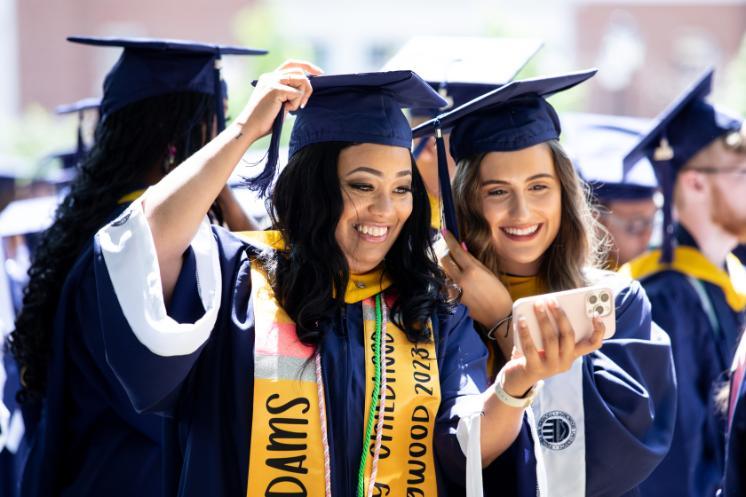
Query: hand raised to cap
287	86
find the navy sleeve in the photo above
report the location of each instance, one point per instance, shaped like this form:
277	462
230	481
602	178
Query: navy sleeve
463	374
152	381
462	366
85	345
629	397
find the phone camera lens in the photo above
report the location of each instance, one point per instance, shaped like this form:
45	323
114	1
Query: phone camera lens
593	299
604	297
599	310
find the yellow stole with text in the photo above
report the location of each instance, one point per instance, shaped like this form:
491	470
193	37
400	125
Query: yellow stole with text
287	449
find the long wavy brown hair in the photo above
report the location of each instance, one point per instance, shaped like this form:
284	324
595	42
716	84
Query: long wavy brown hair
580	243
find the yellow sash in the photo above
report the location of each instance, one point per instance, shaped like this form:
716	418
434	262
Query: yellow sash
412	395
691	262
286	439
286	452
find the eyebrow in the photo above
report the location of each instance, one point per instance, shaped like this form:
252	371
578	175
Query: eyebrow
376	172
530	178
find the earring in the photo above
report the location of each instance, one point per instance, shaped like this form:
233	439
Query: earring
170	159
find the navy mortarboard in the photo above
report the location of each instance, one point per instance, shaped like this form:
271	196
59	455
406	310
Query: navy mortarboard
60	167
28	216
687	126
78	106
597	144
149	67
512	117
70	159
361	108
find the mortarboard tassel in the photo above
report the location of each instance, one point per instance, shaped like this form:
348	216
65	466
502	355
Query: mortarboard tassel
662	157
449	209
667	187
263	180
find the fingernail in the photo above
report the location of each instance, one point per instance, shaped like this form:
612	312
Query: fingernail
463	246
539	306
522	322
553	303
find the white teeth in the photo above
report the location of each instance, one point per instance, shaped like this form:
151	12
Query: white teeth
372	230
522	232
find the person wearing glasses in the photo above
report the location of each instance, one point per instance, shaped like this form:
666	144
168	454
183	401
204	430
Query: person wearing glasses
697	288
626	206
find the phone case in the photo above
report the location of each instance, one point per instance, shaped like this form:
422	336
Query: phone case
579	304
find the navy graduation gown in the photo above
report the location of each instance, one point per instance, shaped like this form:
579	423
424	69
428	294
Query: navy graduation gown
702	355
613	412
11	457
86	439
629	397
208	391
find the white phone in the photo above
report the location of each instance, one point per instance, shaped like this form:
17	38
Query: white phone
580	305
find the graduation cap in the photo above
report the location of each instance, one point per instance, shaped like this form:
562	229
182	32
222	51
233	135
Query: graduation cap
359	108
71	159
461	68
13	167
78	106
676	135
598	144
28	216
512	117
149	67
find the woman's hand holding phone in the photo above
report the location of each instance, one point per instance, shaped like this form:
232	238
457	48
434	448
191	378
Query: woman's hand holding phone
559	351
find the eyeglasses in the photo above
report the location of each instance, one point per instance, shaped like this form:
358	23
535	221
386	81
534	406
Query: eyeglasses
636	226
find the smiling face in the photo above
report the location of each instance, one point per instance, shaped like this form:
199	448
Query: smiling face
376	185
521	201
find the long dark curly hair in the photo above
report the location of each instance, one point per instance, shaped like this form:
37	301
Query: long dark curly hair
152	133
310	277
